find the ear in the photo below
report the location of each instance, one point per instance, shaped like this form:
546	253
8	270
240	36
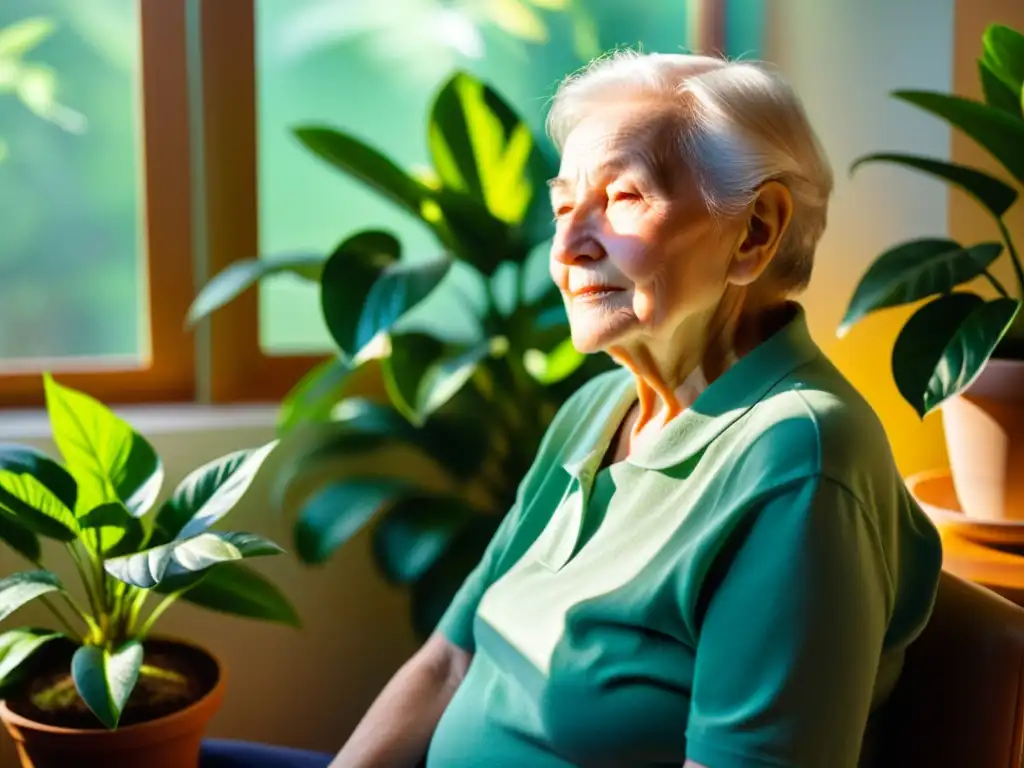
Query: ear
767	221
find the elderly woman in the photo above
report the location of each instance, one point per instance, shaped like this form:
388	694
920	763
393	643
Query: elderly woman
713	561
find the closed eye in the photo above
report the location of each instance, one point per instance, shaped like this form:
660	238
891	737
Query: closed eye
563	210
626	196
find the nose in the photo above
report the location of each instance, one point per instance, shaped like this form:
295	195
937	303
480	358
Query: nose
576	242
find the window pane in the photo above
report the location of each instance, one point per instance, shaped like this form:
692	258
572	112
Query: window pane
70	271
371	69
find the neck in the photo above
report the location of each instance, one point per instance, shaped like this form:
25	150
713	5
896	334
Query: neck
673	370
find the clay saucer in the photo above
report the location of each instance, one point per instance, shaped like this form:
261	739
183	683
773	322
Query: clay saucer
934	491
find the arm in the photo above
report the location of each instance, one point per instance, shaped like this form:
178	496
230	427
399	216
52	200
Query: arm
790	643
398	726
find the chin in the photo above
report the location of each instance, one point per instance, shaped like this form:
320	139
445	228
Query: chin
589	338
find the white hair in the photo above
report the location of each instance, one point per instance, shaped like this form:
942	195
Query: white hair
739	125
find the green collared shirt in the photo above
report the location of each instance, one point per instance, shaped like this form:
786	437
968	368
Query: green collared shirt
739	592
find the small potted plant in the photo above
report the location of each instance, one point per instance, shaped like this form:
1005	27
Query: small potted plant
98	688
959	350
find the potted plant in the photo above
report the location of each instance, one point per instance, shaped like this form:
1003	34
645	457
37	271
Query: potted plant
99	688
959	350
477	410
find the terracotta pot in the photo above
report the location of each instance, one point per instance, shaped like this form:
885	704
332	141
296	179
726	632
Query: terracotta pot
172	741
985	438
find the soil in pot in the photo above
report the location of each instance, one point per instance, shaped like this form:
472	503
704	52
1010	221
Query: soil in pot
173	676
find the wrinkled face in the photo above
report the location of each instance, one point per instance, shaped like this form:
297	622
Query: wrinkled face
635	251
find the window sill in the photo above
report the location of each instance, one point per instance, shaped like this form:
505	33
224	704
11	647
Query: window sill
151	420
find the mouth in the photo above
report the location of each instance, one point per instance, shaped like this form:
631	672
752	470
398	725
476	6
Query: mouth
595	292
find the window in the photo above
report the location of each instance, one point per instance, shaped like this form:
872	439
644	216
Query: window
94	260
186	163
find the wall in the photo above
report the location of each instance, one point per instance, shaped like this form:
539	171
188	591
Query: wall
844	58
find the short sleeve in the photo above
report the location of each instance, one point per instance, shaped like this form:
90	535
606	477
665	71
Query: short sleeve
791	639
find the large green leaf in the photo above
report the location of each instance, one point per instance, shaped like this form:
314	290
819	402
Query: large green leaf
316	394
1004	55
362	162
105	679
19	38
423	373
945	344
17	645
349	275
997	94
416	532
915	270
208	493
114	515
36	507
148	568
995	195
20	588
24	459
339	510
238	590
237	278
480	146
108	459
991	128
398	289
554	366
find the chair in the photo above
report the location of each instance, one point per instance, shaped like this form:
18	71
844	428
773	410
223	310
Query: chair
960	700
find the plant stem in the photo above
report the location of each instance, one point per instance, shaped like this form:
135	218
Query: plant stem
996	284
1018	268
162	606
84	577
72	632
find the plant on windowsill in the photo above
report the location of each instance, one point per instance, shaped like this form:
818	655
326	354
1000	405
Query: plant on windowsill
959	350
476	411
100	688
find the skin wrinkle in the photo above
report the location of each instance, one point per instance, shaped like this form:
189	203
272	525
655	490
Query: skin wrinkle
631	216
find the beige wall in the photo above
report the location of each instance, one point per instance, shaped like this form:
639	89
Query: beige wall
308	688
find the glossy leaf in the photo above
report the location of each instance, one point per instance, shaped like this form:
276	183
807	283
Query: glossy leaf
991	128
1004	55
20	588
312	399
555	366
237	278
339	510
398	289
475	235
105	679
422	373
148	568
208	493
480	146
416	532
349	275
24	459
238	590
114	515
945	344
17	645
997	94
108	459
915	270
36	507
364	164
19	38
994	194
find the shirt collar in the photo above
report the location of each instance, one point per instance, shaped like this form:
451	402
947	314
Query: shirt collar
719	406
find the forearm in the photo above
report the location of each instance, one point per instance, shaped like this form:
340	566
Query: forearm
397	728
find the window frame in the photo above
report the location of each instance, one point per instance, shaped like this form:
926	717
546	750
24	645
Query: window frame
169	373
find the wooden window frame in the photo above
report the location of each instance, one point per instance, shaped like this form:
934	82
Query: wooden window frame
169	374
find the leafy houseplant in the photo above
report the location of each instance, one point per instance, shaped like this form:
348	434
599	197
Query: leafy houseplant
477	410
101	666
959	346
